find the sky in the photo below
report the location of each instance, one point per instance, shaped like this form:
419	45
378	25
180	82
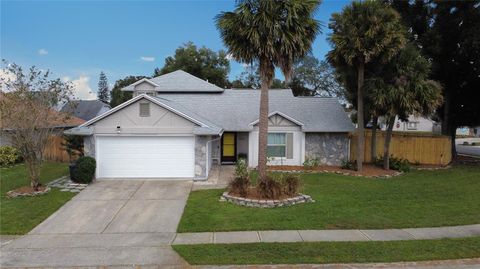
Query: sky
76	40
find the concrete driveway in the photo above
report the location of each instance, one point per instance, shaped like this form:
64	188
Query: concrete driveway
115	223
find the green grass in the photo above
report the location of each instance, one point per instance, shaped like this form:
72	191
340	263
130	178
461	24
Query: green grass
20	215
416	199
330	252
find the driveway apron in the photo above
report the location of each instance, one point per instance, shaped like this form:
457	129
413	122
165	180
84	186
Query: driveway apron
110	223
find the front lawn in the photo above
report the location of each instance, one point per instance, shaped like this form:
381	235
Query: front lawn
330	252
416	199
20	215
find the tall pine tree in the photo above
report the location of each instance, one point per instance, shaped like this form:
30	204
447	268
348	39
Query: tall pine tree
103	93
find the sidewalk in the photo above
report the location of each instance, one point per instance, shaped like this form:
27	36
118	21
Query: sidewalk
326	235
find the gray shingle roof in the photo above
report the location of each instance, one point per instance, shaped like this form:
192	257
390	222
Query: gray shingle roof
234	110
84	109
180	81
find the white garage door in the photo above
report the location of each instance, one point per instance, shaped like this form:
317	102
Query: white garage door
145	157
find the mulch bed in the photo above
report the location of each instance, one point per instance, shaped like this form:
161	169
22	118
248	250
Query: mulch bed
253	193
27	191
368	170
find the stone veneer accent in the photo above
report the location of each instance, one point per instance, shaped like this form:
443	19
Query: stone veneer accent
300	199
329	148
89	146
201	155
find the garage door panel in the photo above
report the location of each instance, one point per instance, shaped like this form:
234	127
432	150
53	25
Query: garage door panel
145	157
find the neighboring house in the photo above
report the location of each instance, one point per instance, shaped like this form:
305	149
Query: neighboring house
177	125
59	126
415	124
85	109
468	131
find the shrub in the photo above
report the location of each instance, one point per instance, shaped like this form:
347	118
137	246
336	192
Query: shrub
241	179
310	163
291	184
9	156
270	187
395	164
349	165
242	156
84	170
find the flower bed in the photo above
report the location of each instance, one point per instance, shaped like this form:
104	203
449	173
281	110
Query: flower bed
370	171
262	203
27	191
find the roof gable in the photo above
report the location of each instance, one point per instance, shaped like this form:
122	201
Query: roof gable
278	118
176	109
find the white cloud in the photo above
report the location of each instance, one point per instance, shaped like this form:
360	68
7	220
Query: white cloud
6	76
82	88
229	57
42	52
147	58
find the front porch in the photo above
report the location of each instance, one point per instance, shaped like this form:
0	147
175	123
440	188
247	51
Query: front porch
231	147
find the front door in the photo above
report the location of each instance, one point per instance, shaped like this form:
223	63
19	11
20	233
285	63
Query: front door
229	147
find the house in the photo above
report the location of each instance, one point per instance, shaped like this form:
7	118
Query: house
415	124
58	121
85	109
177	126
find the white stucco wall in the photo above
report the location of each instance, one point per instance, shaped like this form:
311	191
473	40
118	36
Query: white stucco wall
422	125
298	146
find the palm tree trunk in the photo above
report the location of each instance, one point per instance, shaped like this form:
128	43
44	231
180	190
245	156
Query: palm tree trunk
386	147
360	121
263	130
373	144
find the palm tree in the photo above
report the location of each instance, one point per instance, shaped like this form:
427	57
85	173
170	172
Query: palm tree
273	34
402	88
363	32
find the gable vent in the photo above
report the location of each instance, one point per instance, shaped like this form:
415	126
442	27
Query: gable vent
144	109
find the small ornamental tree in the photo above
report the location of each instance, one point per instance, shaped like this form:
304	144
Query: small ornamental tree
27	104
73	145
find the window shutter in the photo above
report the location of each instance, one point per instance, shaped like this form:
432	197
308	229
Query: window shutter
289	145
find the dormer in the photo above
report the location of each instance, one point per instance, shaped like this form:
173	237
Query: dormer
143	86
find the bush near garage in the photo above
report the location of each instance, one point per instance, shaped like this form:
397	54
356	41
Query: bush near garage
84	170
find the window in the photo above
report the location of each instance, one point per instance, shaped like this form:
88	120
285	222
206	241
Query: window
276	145
144	109
411	125
151	93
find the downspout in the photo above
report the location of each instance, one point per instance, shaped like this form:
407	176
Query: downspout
206	158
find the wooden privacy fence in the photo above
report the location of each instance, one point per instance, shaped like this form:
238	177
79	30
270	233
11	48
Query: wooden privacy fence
54	150
416	148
